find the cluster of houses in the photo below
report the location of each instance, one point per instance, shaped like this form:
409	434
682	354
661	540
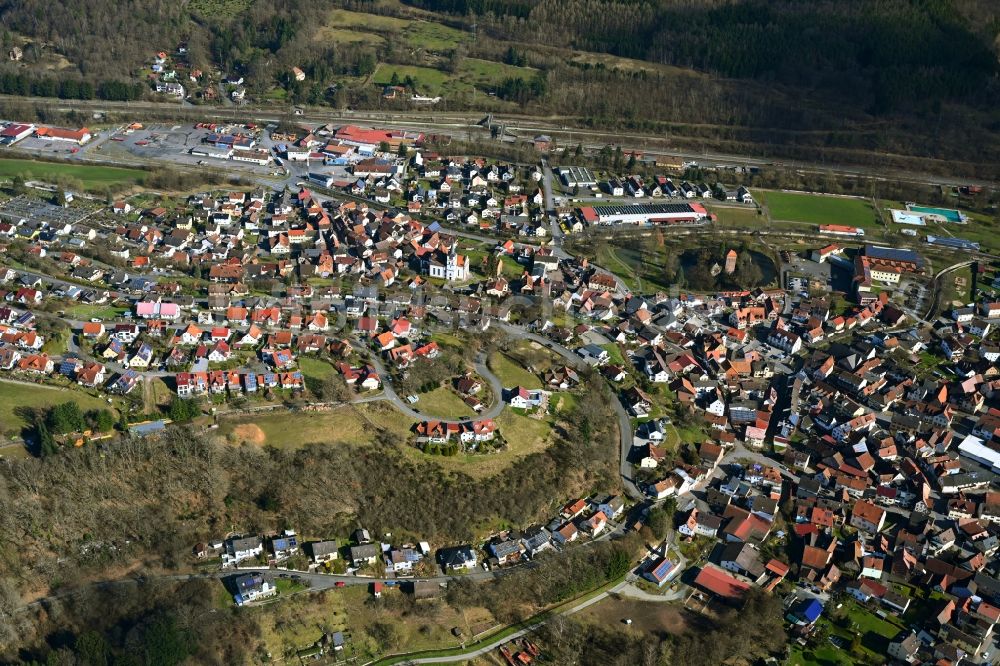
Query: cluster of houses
589	517
864	414
468	434
170	70
662	186
168	331
739	511
21	354
490	197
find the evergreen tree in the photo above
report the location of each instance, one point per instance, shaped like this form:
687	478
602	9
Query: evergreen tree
46	443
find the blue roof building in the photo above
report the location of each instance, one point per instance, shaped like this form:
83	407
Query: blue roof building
806	611
150	428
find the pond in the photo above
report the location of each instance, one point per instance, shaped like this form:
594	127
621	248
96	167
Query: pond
690	262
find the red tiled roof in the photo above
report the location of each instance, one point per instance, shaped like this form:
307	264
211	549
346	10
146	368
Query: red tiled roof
720	583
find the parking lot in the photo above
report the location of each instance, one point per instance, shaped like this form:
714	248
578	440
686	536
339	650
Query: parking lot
916	294
174	143
48	146
22	208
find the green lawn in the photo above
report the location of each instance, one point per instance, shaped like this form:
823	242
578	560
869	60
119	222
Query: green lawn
434	36
826	655
818	208
428	81
609	258
344	425
524	435
91	177
692	434
737	217
444	403
522	432
635	266
346	36
511	373
85	312
57	344
448	340
874	634
14	395
615	353
342	18
416	33
952	293
488	72
314	368
315	372
563	403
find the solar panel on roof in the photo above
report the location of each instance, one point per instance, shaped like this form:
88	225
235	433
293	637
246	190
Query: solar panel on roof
892	254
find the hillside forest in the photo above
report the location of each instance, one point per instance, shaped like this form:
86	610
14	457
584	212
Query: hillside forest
835	76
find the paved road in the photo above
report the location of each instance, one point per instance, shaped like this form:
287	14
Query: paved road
624	422
389	393
936	288
555	230
478	652
630	591
527	125
317	581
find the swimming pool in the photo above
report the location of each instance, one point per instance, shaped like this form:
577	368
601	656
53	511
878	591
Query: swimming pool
907	217
946	213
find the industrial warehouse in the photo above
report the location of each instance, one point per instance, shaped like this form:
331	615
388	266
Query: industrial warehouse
647	214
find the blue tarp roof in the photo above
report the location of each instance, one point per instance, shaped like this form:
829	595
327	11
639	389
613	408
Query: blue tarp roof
811	610
147	428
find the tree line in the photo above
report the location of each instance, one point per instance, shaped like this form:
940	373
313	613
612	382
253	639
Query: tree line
117	502
112	90
47	423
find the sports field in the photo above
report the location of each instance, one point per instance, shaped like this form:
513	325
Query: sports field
91	177
818	208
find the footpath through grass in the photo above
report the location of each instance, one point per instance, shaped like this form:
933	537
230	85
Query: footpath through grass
532	621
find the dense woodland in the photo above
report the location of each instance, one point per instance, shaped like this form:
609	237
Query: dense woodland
83	512
165	622
836	77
